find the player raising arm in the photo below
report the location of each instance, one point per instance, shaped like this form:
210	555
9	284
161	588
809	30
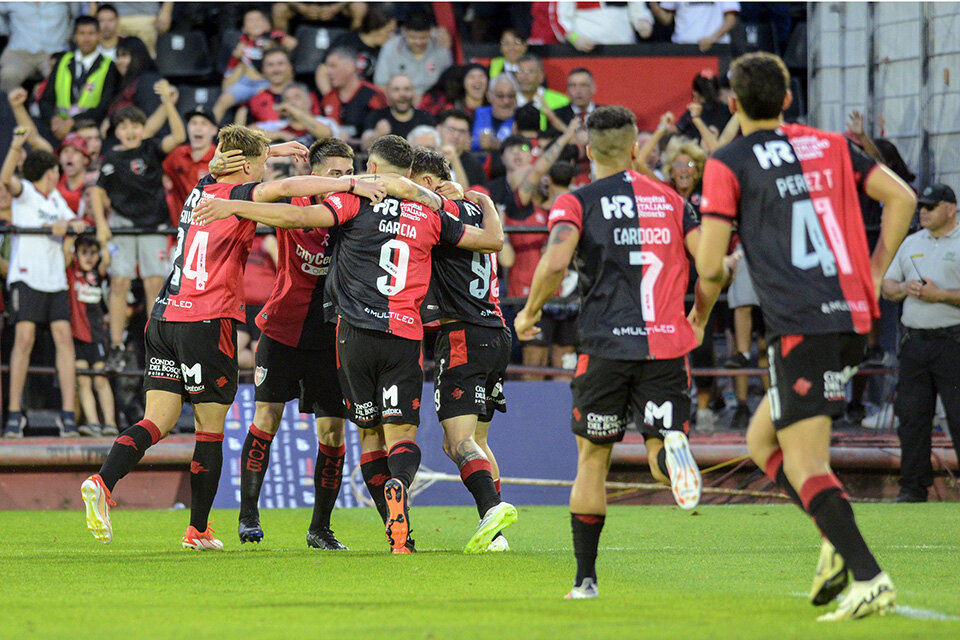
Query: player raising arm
794	190
632	235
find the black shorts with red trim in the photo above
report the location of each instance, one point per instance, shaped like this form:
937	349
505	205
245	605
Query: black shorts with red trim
471	364
809	375
607	394
198	360
283	373
381	376
89	352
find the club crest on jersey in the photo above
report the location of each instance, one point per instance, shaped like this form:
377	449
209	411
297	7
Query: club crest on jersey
138	166
259	375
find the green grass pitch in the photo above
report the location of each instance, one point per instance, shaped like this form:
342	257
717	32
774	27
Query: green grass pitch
725	572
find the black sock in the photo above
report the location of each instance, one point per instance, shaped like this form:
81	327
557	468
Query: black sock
254	459
376	472
586	537
826	502
774	471
404	460
478	479
662	461
127	450
327	476
204	477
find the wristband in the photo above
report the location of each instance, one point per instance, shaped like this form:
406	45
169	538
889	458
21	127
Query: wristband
353	183
573	37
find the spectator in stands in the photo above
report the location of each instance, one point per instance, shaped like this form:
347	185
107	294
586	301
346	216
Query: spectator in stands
399	117
494	124
513	46
455	127
530	78
138	75
580	91
302	124
37	31
82	84
475	85
415	54
587	24
37	279
350	100
925	276
652	161
444	93
132	178
244	76
74	160
109	36
145	20
425	136
186	164
706	107
18	103
90	132
262	108
86	276
346	15
376	29
700	23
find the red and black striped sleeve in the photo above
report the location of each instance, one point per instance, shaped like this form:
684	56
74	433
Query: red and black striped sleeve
566	208
721	191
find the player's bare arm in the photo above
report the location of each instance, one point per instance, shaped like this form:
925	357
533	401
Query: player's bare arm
276	214
712	249
705	293
488	239
400	187
226	162
561	247
899	205
531	179
304	186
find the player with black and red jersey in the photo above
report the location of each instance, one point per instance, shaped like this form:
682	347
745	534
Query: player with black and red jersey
382	271
191	336
793	190
472	352
631	235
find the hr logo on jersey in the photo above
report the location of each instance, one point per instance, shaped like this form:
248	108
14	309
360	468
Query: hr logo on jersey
773	154
192	374
617	207
663	412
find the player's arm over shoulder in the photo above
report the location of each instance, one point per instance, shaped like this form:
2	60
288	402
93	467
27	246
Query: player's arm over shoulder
486	239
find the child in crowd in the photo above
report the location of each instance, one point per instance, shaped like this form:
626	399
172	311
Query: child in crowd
244	78
86	272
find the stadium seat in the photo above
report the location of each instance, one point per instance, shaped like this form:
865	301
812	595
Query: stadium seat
183	55
760	36
228	41
312	45
191	96
795	57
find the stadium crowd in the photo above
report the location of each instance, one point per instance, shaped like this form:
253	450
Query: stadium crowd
119	106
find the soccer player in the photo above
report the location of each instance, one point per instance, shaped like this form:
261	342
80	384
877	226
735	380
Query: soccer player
632	235
472	352
380	278
191	337
794	192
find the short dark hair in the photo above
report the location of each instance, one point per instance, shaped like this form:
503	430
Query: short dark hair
394	149
37	163
527	118
562	173
428	161
609	131
531	57
127	113
580	70
760	81
107	7
85	123
273	50
328	148
86	240
457	114
515	140
374	19
418	21
343	52
86	20
259	10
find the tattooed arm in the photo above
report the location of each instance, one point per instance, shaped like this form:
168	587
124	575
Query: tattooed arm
531	179
547	278
400	187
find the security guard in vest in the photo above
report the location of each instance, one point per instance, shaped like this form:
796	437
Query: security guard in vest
925	275
82	84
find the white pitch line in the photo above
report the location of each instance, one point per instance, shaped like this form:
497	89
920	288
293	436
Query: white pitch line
906	612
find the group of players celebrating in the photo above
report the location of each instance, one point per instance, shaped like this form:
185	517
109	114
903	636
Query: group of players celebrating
366	260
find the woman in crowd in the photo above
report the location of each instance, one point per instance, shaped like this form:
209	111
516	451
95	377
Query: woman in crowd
138	74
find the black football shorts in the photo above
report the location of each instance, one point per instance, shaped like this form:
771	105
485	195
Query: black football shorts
283	373
198	360
608	393
809	375
89	352
471	364
381	376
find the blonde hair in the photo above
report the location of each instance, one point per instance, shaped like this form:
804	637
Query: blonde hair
680	145
252	143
